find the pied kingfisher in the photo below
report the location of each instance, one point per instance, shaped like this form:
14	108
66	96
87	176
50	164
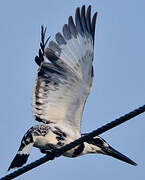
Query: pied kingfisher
63	84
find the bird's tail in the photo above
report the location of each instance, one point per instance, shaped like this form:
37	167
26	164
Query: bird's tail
23	153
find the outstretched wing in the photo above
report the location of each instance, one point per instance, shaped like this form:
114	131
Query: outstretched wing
66	72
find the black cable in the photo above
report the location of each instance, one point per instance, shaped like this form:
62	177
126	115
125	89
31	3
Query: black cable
59	152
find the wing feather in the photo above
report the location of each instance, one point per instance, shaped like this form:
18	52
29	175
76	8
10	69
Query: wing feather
66	72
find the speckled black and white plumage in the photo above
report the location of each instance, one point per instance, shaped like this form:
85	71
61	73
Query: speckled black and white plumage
26	145
62	86
46	137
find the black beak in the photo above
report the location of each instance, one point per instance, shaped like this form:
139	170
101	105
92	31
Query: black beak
112	152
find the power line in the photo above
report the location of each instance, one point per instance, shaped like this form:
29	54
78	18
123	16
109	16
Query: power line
59	152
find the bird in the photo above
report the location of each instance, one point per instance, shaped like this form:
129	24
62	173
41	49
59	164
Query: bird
63	83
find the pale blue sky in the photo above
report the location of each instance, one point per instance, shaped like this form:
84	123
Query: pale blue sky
119	84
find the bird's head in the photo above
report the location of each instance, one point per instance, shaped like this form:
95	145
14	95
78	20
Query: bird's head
99	145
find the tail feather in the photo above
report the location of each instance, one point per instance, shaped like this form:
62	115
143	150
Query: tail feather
21	157
23	153
18	161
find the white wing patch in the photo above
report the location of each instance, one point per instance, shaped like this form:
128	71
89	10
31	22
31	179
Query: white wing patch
26	150
66	72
